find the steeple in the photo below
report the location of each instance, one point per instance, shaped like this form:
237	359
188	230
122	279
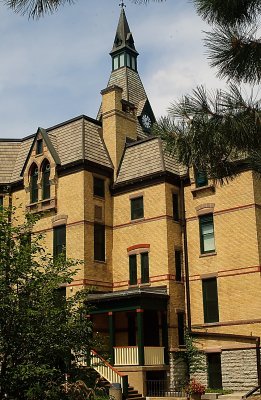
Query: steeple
123	51
125	76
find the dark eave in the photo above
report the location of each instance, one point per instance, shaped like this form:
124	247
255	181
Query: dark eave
146	299
145	181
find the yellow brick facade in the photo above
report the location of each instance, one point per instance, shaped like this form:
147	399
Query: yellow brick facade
82	150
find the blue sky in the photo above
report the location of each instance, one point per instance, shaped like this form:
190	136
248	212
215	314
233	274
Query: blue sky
53	69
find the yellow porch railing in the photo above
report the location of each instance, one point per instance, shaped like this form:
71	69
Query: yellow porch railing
128	355
154	355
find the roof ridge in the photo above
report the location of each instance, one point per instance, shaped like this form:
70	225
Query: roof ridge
141	141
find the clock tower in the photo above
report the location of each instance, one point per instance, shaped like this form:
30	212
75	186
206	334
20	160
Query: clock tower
125	75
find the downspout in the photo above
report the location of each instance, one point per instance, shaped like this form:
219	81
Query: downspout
185	246
258	360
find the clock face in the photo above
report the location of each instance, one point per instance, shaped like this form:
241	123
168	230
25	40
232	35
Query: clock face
146	121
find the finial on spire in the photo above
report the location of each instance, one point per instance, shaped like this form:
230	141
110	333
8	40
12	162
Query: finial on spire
122	4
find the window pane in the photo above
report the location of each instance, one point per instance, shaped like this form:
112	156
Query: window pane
39	146
34	186
175	204
144	258
133	63
128	60
207	240
99	242
210	300
59	240
201	178
116	62
137	208
209	243
122	60
133	269
46	181
181	326
98	187
178	265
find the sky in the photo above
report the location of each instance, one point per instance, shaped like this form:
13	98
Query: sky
53	69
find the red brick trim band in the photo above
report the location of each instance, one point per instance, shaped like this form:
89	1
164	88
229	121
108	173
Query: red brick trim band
231	272
138	246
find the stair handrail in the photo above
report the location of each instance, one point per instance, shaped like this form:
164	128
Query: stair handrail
123	378
252	391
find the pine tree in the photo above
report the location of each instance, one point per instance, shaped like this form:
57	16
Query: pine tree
215	131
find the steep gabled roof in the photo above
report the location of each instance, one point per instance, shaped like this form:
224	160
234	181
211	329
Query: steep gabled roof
144	158
47	141
74	140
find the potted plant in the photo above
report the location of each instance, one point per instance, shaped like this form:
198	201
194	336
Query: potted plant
195	390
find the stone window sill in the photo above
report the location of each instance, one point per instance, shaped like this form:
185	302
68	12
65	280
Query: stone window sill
208	254
42	205
133	221
197	190
100	262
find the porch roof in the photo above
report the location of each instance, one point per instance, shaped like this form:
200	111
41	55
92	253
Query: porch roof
124	300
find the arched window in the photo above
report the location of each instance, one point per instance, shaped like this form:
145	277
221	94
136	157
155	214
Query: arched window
33	184
46	179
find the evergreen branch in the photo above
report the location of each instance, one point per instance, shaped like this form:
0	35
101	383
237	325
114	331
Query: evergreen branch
36	8
229	12
236	53
212	130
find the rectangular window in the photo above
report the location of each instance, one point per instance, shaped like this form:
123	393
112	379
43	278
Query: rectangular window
181	328
128	60
210	300
144	261
206	228
133	269
1	202
214	371
39	146
99	242
116	62
98	187
175	206
137	208
122	60
133	63
59	241
201	178
178	266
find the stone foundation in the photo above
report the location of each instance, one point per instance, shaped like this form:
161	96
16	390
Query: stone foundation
177	370
239	371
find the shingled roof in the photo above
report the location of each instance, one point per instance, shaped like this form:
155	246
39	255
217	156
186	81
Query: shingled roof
73	141
144	158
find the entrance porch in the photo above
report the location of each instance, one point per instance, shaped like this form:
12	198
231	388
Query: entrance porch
133	324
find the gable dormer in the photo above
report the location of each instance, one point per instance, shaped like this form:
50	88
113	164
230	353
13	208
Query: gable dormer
39	174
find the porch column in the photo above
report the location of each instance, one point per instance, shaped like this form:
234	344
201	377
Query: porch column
165	336
140	335
111	335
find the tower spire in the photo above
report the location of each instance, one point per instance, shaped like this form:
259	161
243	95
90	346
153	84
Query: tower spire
123	39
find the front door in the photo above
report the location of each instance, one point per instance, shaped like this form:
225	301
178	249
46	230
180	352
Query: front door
214	371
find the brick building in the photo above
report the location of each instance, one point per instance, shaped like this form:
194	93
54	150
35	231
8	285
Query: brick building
163	246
